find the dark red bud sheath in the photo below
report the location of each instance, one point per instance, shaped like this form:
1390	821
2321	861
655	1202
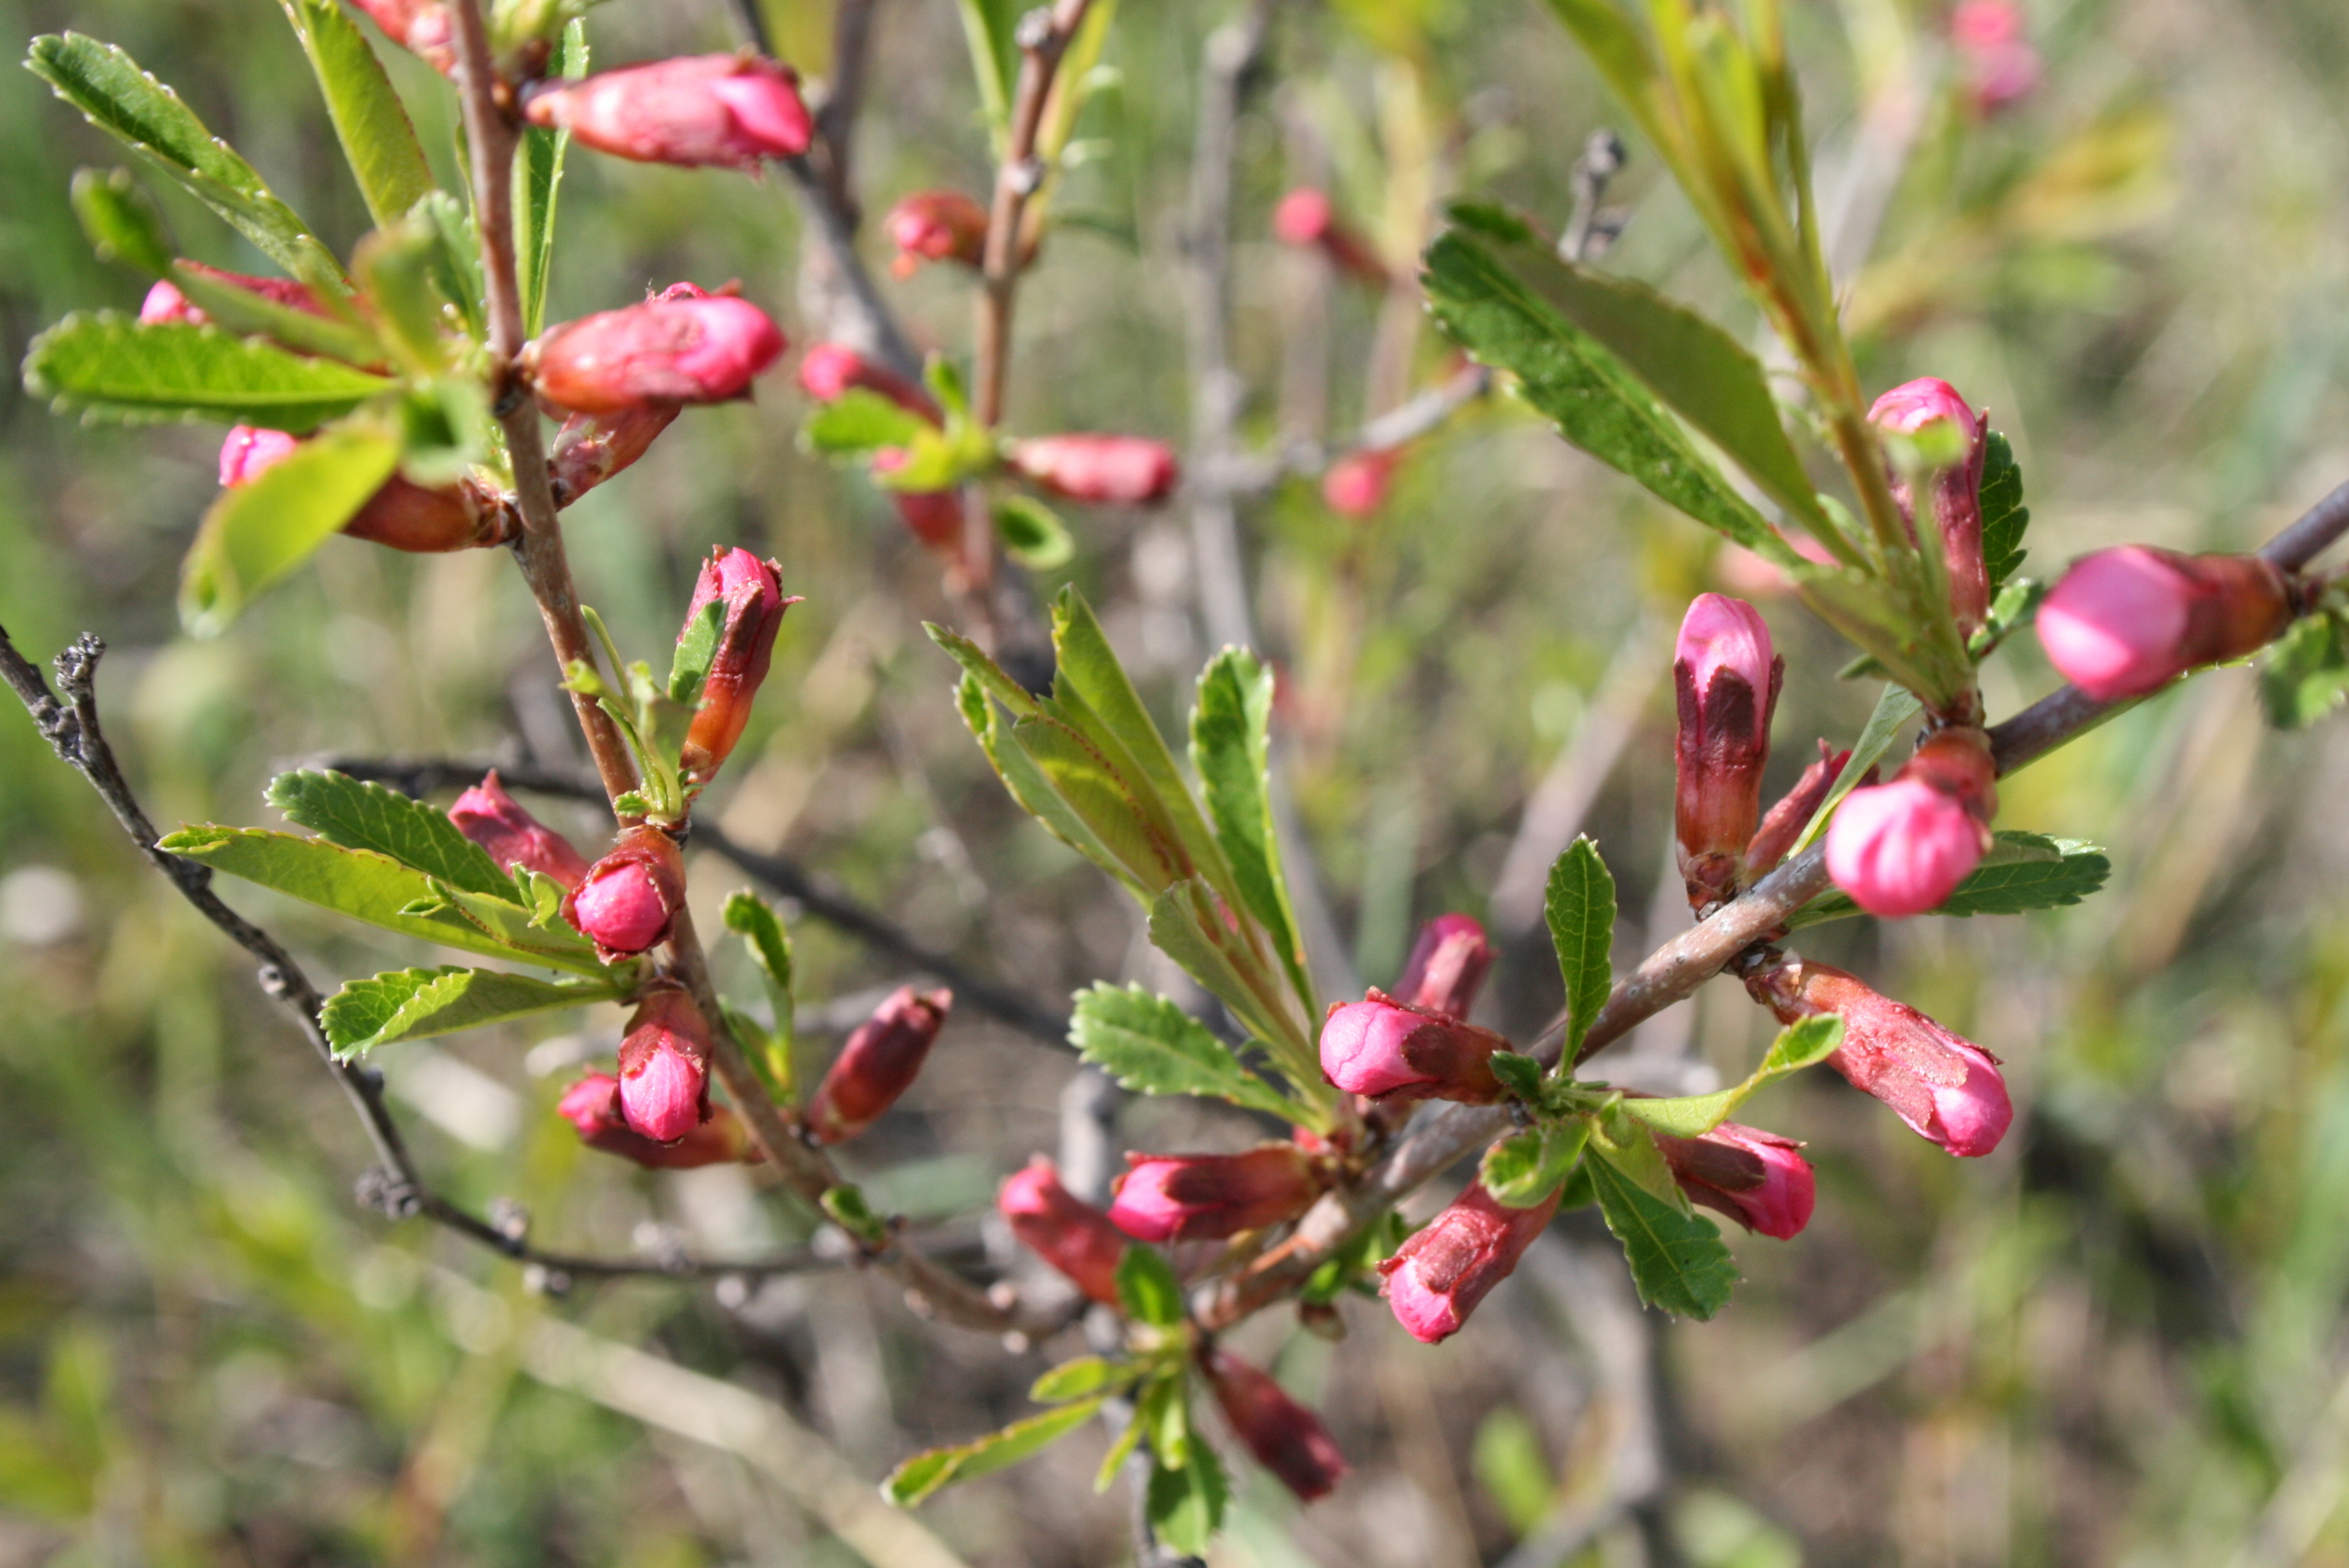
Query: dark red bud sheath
1208	1197
164	301
733	109
1380	1047
496	820
1755	1178
1900	849
1957	490
1784	823
593	1105
665	1065
1286	1437
422	26
402	515
1357	484
590	448
630	896
1063	1229
935	226
879	1062
1945	1086
1726	678
1117	470
681	348
2127	621
1441	1271
829	369
1447	967
752	594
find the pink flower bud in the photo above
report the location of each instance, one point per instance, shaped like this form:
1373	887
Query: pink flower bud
164	301
1946	1087
1307	219
466	515
1357	484
590	448
682	347
1900	849
250	452
733	109
1957	490
629	897
1380	1046
665	1065
1123	471
879	1064
1784	823
1208	1197
1727	678
1999	65
1447	967
1755	1178
935	226
829	369
593	1105
1286	1437
1443	1270
1063	1229
422	26
754	604
2127	621
496	820
936	517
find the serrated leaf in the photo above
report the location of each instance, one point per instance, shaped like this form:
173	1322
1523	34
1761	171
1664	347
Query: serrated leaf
1147	1288
414	1003
1231	751
256	532
1521	1075
1163	1413
108	366
1804	1043
1110	801
120	223
379	141
1075	1379
400	269
1186	1506
1579	905
1022	776
1151	1046
2306	674
1189	924
359	815
1679	1261
2004	517
926	1472
696	650
1032	532
538	179
1891	714
2022	872
858	422
1521	1170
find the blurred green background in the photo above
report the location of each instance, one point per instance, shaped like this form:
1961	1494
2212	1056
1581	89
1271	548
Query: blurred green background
2120	1340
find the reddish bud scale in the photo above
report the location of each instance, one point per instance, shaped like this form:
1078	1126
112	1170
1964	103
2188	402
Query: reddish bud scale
1063	1229
1385	1049
1208	1197
513	837
1447	967
628	899
1286	1437
1946	1087
879	1062
1900	849
593	1105
1443	1269
2127	621
1784	823
1755	1178
830	369
935	226
1726	678
736	111
1115	470
590	448
751	592
1956	491
665	1065
684	346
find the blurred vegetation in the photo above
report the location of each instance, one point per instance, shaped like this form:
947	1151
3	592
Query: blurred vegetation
2120	1340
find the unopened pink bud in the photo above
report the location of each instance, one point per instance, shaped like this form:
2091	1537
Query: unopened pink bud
1755	1178
751	593
2127	621
406	516
1943	1086
879	1062
1122	470
1208	1197
423	26
1957	490
590	448
1900	849
250	452
1357	484
830	369
163	302
665	1065
1380	1046
679	348
1443	1270
1726	677
1447	967
1063	1229
593	1105
1286	1437
733	109
1784	823
1307	219
629	898
513	837
2000	64
936	517
935	226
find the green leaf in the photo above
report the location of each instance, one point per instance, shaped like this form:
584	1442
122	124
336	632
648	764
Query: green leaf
1622	55
365	816
2307	672
121	224
1521	1075
1891	715
844	1203
1080	768
402	271
1075	1379
753	920
1025	780
1231	751
1187	1505
359	883
1032	532
412	1004
1678	1262
2004	517
1580	908
1521	1170
1119	1450
1151	1046
1802	1044
108	86
860	421
108	365
1147	1288
1163	1412
926	1472
1188	924
538	179
2022	872
988	27
696	650
1594	399
379	141
256	532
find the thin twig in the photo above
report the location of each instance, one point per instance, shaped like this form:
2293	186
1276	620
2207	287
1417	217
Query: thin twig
1398	426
